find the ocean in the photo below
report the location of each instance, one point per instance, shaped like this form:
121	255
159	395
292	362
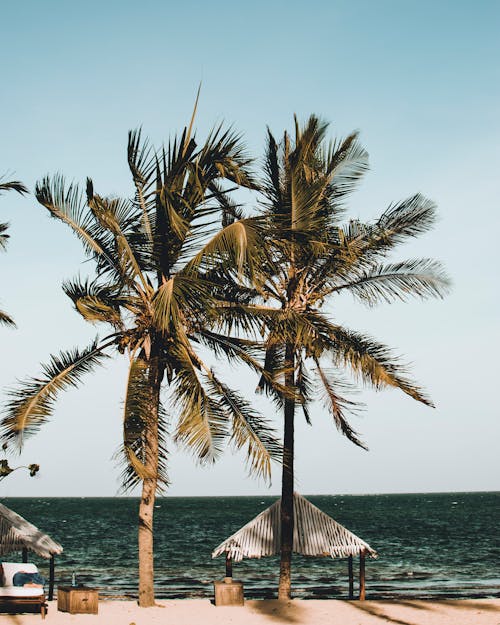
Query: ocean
430	545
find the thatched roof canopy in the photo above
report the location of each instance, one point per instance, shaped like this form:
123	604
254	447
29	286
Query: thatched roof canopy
16	533
315	534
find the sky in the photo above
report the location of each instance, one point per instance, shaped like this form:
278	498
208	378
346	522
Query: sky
419	80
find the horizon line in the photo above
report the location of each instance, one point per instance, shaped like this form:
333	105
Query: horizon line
161	497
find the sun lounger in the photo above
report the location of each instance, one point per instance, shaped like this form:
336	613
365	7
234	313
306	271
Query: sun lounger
20	598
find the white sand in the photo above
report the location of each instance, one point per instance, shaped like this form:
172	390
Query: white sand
297	612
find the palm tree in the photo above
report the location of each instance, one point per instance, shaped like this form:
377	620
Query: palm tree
159	260
13	185
312	257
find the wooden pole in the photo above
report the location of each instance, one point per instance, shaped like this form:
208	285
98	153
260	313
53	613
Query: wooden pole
25	554
351	578
362	588
51	577
229	565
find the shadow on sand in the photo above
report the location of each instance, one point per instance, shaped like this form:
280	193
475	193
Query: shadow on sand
381	609
279	611
468	604
292	612
13	619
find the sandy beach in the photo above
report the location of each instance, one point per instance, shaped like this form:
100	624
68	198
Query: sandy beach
296	612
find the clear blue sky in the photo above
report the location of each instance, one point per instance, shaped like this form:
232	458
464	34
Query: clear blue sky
420	80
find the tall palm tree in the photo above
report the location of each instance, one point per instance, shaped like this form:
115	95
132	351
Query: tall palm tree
13	185
311	257
160	260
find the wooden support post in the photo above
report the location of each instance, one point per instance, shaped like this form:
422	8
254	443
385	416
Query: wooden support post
229	565
51	577
25	554
362	588
351	578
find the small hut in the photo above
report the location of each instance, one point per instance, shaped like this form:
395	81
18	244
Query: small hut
17	534
315	534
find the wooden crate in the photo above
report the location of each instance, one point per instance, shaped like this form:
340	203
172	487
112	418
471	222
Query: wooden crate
77	599
228	592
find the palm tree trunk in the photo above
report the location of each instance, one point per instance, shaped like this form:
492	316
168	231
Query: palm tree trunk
147	502
145	539
285	581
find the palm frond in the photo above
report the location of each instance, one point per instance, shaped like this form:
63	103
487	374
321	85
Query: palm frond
398	281
165	308
96	302
32	403
239	318
304	183
408	218
356	246
173	213
138	425
141	163
68	206
187	137
189	188
249	429
181	299
273	368
307	202
373	362
302	329
308	140
6	319
245	351
202	422
235	246
3	237
346	163
13	185
231	211
173	200
233	348
223	155
115	216
337	406
304	386
273	185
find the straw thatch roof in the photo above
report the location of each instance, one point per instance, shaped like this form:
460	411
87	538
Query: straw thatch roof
315	534
16	533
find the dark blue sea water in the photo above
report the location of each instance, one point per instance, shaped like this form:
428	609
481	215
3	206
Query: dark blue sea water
429	545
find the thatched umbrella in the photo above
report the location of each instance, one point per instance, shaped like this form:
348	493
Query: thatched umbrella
17	534
315	534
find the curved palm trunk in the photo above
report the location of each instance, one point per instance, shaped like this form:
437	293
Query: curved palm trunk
285	581
147	502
